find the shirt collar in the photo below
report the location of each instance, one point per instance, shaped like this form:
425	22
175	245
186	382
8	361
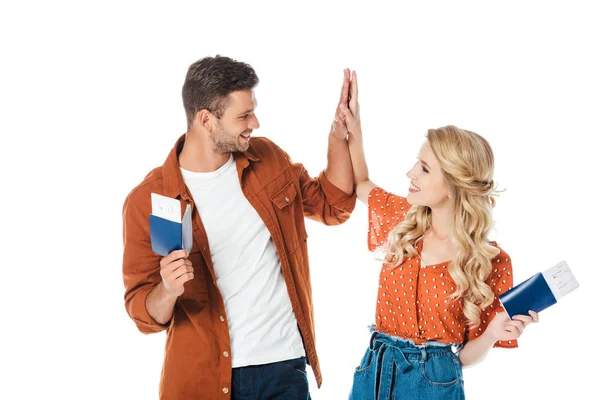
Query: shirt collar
173	185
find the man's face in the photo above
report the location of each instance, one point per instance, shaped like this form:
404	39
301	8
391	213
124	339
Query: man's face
232	131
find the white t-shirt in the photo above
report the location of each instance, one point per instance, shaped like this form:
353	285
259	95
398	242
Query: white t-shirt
262	325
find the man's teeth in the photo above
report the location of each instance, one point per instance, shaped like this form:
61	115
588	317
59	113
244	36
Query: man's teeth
246	136
413	187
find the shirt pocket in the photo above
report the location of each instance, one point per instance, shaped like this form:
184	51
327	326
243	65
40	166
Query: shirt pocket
289	213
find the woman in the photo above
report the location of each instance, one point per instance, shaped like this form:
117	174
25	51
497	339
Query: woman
440	282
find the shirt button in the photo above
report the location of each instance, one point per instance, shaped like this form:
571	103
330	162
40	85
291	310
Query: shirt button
222	318
225	390
225	354
287	199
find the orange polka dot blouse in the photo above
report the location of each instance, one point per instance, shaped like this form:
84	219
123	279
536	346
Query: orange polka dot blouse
412	301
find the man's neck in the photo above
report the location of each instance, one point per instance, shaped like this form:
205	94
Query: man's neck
198	154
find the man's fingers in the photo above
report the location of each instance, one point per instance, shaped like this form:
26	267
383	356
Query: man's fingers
172	277
177	254
345	87
344	94
172	256
172	266
183	278
185	274
185	268
177	268
349	118
338	127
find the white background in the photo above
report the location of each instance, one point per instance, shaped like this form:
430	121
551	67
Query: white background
90	102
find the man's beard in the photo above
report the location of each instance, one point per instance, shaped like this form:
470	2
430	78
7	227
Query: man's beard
223	142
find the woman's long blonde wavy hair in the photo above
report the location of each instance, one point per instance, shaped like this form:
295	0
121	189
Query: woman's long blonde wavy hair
467	163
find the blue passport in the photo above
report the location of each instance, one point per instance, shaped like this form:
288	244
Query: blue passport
540	291
169	231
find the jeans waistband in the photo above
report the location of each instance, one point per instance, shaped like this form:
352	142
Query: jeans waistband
389	355
406	346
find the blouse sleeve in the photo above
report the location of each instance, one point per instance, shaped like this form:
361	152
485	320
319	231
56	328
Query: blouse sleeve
386	210
500	280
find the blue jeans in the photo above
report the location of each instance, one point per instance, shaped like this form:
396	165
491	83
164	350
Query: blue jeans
283	380
397	369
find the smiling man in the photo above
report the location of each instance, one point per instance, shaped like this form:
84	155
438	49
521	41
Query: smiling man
238	308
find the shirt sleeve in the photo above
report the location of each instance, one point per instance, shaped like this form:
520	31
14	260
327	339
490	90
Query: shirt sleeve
386	210
322	200
141	267
500	281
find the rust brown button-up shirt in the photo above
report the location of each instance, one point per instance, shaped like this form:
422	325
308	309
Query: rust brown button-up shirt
283	194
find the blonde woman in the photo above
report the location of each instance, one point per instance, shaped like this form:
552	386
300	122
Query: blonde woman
437	305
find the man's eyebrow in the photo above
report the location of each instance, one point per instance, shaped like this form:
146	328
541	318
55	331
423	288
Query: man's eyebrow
248	111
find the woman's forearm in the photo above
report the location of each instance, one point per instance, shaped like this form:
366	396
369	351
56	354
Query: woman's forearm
476	350
357	155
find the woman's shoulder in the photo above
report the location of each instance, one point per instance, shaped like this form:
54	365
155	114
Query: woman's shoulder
386	210
378	195
502	256
501	272
386	204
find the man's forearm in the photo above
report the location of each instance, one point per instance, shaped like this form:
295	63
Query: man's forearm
339	167
160	305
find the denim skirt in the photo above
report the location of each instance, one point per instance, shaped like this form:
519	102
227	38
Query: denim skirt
396	369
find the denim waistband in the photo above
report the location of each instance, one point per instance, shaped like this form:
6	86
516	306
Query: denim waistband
391	360
409	350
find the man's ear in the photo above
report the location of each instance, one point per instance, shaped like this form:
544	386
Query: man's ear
204	119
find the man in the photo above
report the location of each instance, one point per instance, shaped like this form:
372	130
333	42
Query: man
237	308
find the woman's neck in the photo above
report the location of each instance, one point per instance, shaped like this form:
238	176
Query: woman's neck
441	222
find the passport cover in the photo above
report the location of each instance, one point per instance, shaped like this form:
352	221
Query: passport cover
533	294
167	236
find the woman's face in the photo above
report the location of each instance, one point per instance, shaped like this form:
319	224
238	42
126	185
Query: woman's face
428	186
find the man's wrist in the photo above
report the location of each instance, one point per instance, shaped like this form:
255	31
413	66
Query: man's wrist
164	295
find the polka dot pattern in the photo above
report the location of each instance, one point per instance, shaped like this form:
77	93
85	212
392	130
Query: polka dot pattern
412	300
